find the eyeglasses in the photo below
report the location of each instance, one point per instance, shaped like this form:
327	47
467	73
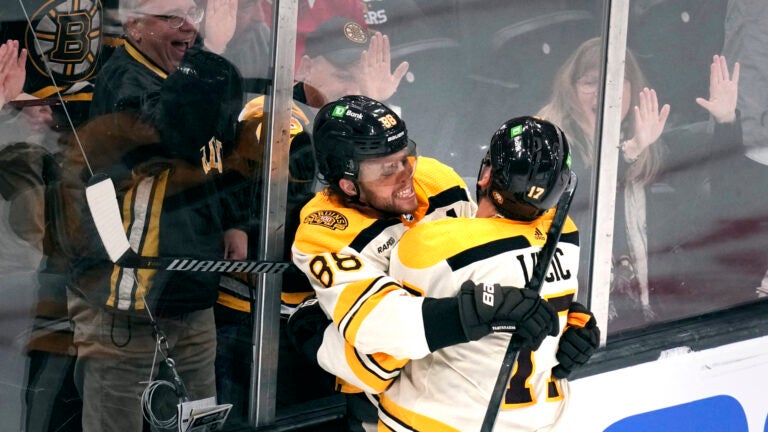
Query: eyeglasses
176	18
587	85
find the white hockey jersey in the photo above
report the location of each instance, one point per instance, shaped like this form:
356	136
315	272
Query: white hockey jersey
449	390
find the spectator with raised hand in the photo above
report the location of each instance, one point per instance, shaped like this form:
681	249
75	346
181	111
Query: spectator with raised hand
34	118
376	78
573	105
339	56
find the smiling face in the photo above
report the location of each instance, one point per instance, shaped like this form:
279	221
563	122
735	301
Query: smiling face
386	183
153	34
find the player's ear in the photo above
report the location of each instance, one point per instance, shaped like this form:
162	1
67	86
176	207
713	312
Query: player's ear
348	187
484	179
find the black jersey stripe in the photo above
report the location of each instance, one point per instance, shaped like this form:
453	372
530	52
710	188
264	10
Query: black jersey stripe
446	198
391	417
393	372
367	235
367	362
571	237
487	250
372	288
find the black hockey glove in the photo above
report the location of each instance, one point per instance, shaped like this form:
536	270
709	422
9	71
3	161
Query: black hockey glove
579	340
306	326
488	308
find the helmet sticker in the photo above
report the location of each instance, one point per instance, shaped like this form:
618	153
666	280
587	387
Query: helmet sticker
338	111
536	192
515	131
396	136
388	121
568	161
497	197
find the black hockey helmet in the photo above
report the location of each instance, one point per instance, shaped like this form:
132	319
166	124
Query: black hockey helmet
353	129
530	167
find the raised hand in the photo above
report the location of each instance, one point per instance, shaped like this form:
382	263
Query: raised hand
376	78
723	90
649	123
12	70
220	23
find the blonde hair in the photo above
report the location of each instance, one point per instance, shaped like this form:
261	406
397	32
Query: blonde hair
563	108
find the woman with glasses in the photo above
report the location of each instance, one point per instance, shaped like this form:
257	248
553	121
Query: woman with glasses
573	105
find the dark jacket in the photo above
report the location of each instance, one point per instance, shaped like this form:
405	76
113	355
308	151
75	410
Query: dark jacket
166	143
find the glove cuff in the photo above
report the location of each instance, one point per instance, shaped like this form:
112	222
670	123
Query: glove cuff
442	323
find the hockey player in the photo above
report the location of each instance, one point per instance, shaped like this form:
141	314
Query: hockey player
376	188
469	272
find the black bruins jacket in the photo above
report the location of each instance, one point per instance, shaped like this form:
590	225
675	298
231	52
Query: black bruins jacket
165	140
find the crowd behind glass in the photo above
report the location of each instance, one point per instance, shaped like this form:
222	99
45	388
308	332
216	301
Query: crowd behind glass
93	86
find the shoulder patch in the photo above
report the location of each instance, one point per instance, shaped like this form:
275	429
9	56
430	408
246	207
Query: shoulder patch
329	219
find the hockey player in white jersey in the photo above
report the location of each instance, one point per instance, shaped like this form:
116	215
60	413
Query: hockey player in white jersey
468	271
376	188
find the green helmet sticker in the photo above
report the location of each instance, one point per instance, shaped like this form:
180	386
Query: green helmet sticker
338	111
515	131
568	161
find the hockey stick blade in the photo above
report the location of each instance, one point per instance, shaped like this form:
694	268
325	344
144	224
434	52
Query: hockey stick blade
539	271
105	212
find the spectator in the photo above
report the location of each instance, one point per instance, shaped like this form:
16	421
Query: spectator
742	217
573	106
163	127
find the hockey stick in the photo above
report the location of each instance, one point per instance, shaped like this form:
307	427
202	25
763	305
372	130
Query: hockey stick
105	211
544	257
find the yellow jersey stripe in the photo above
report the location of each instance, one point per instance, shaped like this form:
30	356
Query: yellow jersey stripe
408	419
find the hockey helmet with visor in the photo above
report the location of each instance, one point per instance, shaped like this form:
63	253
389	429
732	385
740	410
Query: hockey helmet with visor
363	140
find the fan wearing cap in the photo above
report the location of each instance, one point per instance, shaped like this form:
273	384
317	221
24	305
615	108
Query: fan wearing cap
342	58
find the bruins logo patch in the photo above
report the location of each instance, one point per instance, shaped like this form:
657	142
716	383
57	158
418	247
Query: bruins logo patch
69	32
497	197
329	219
355	32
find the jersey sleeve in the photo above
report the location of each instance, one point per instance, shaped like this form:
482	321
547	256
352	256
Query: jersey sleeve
371	373
345	255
